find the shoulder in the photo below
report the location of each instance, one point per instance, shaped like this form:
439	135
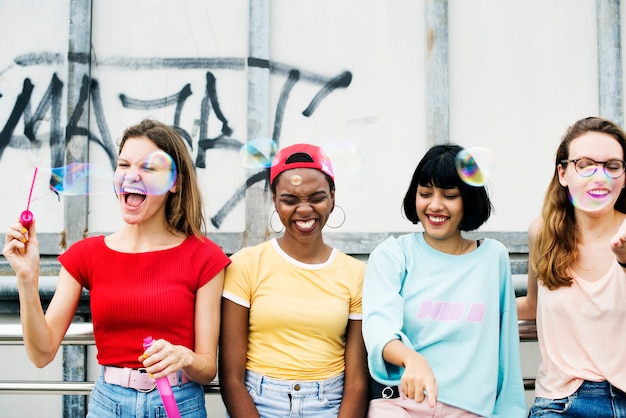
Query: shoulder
396	251
202	244
252	252
398	244
533	228
88	244
493	249
494	244
397	241
349	260
201	253
85	253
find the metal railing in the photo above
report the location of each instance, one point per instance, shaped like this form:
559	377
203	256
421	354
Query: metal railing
79	333
528	332
82	334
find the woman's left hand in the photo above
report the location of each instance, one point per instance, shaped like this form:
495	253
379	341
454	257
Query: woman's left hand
618	243
163	358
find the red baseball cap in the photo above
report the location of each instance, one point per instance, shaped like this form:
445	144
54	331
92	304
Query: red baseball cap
301	156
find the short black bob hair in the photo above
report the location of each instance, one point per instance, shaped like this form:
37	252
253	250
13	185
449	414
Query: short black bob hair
437	168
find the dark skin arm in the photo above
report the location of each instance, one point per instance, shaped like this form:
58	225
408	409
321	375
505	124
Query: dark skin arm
356	386
232	366
232	361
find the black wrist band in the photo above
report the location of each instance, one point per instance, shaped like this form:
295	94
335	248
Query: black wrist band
621	264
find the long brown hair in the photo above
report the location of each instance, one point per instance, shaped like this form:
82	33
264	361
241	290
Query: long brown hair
556	246
184	208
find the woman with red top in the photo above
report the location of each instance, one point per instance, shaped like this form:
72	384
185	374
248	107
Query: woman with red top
157	276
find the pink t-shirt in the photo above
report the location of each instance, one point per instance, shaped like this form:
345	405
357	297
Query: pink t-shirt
582	334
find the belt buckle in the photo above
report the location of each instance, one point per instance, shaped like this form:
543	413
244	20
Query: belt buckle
387	392
142	370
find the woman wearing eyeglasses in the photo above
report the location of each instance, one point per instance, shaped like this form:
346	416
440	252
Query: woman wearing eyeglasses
577	277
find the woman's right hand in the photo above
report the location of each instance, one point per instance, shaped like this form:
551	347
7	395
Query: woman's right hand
418	380
21	250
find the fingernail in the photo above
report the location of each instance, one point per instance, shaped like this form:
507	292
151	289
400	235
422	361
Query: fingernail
24	230
150	374
144	356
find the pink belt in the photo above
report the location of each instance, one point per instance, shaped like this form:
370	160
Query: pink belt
138	379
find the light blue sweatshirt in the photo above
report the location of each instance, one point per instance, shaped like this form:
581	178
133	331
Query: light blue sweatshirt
458	311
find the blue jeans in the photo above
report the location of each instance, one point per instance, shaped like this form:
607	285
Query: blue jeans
592	399
295	399
108	401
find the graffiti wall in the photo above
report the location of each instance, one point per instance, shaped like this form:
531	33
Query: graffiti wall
347	75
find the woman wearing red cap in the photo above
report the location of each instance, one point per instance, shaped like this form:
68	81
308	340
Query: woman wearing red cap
291	341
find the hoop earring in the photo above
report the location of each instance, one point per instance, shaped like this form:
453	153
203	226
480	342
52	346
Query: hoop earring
272	224
343	220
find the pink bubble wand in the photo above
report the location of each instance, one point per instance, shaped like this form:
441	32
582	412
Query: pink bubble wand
165	390
26	218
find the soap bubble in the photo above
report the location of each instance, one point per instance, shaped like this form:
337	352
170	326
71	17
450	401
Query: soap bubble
590	202
78	179
474	165
158	175
344	155
258	153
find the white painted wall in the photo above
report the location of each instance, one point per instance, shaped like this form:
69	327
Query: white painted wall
520	73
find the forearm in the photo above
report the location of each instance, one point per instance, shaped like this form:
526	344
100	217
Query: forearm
524	310
355	399
233	359
395	352
201	368
202	364
38	340
237	400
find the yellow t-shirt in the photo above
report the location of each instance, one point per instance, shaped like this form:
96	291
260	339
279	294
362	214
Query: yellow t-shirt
298	312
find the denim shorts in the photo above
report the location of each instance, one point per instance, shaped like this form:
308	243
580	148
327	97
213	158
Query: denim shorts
592	399
108	401
295	398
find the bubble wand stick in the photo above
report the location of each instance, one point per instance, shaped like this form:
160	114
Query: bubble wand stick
26	218
165	390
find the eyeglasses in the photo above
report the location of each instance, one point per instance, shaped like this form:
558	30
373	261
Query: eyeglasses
586	167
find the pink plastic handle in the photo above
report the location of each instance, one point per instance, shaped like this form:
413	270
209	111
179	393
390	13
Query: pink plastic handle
165	390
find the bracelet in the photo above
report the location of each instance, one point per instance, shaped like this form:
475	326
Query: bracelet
623	265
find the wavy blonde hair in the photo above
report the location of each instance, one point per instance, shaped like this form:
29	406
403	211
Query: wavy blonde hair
556	246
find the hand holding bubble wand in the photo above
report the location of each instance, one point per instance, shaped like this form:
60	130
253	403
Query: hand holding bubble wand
165	390
26	218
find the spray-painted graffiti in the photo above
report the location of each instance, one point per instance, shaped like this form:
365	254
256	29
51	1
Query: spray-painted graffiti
59	137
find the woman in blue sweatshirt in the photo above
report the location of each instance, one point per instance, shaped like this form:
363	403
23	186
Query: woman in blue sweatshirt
439	315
